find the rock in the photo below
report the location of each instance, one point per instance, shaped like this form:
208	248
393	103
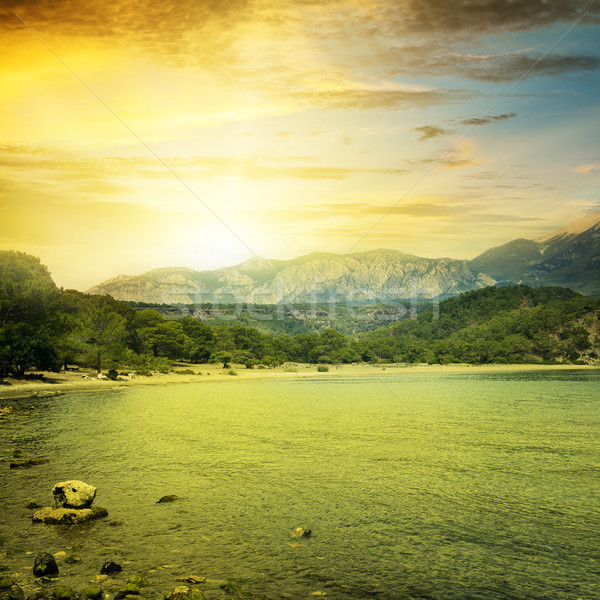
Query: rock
129	590
34	504
115	523
73	494
62	592
194	579
110	567
72	559
71	516
28	462
14	592
137	580
60	554
91	593
170	498
45	565
39	595
9	590
183	592
302	532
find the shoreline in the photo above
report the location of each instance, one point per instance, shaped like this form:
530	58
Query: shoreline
55	384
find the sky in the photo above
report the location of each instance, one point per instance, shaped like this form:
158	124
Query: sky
201	133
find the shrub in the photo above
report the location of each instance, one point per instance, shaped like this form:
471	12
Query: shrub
322	368
112	374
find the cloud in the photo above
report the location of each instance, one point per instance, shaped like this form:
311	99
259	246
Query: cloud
503	68
587	169
92	174
388	99
487	119
442	59
431	131
458	156
476	16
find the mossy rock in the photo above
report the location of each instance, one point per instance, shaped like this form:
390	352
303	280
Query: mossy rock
183	592
137	580
72	558
14	592
129	590
62	592
34	504
6	583
92	592
230	588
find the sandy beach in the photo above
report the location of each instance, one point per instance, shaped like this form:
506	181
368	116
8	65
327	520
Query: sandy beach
86	380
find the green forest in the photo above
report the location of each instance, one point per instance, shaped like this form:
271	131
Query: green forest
43	327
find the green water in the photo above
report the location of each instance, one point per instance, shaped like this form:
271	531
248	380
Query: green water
437	486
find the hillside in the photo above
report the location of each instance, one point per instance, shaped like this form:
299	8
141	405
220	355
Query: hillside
319	277
568	257
514	324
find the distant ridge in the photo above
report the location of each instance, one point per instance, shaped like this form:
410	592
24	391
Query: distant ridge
568	257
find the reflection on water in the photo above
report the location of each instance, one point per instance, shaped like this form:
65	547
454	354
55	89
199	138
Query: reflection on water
440	486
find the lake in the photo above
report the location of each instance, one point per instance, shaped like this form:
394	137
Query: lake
415	485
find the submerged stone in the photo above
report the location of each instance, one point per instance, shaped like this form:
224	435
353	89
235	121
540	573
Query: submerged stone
137	580
62	592
91	593
183	592
129	590
169	498
45	565
14	592
28	462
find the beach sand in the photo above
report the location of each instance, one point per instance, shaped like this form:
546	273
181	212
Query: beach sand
86	380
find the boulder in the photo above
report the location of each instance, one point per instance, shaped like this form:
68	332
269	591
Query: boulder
183	592
110	567
69	516
73	494
45	565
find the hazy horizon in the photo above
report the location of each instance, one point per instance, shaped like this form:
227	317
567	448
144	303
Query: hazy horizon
200	134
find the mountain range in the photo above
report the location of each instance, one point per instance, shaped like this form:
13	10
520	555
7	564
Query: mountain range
569	257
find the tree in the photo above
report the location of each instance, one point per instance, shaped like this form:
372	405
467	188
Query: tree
29	325
222	356
102	329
